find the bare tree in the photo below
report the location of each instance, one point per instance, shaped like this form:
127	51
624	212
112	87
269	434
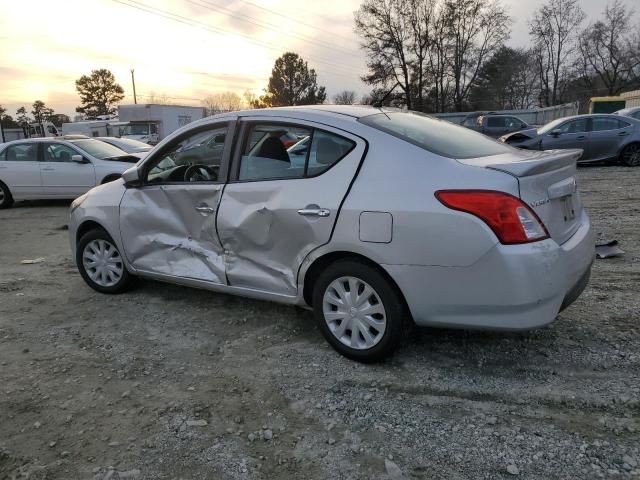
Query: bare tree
553	30
159	99
477	29
609	53
438	61
345	97
222	102
386	38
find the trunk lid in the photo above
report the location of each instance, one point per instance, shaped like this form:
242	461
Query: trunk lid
547	183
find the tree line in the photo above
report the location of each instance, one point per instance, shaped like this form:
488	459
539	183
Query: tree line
450	55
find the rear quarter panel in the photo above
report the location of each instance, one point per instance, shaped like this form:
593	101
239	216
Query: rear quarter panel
401	179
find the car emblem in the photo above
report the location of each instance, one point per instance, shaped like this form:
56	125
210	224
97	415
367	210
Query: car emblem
537	203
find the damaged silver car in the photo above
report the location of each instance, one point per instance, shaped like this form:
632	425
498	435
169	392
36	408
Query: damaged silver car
374	219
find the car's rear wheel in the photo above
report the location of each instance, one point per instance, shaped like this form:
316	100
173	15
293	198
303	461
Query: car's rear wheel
101	264
630	156
358	310
6	200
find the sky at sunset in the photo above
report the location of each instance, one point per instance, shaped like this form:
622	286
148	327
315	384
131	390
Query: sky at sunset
184	49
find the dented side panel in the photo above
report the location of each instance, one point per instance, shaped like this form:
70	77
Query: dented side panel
264	236
162	232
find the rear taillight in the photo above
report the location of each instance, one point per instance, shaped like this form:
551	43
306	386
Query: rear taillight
509	217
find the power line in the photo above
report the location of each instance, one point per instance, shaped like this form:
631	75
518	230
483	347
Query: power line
333	34
270	26
184	20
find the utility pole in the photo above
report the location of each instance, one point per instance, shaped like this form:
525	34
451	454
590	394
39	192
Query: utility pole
2	130
133	81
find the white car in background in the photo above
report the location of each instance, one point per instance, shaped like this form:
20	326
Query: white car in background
127	144
47	168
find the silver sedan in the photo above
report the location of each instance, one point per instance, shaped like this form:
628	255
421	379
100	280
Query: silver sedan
383	218
599	136
48	168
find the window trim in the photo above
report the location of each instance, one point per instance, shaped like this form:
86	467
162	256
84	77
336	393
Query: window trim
242	137
223	171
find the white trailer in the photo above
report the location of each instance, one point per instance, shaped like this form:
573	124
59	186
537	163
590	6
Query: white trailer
90	128
150	123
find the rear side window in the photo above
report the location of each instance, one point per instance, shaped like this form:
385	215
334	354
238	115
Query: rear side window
279	151
603	123
437	136
20	153
326	150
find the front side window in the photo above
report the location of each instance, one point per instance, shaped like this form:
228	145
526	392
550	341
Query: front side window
57	152
434	135
195	158
603	123
20	153
514	122
575	126
636	115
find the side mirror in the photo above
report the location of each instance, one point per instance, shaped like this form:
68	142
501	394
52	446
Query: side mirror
78	159
131	177
556	132
523	125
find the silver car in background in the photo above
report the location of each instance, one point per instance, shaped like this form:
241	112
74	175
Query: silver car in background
127	144
633	112
601	137
377	219
50	168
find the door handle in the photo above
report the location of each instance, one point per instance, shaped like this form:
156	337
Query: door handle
623	134
314	212
47	169
205	209
581	137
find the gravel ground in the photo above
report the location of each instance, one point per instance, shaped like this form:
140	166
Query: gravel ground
169	382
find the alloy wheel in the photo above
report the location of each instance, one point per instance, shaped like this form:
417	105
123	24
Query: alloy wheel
354	313
631	155
102	262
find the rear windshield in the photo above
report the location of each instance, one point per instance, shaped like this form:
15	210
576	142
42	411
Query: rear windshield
437	136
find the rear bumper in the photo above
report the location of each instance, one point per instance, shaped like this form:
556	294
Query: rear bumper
512	287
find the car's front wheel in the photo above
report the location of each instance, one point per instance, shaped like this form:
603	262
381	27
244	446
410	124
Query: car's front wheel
101	264
6	200
358	311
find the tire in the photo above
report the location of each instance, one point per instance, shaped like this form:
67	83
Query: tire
97	246
6	200
630	155
384	326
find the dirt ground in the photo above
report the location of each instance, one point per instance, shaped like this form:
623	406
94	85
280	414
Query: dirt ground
167	382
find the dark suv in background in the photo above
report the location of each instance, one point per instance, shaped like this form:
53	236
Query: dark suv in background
496	126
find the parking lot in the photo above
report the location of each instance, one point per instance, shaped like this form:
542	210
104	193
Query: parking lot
170	382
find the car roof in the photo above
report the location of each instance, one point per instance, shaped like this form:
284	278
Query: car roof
348	111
